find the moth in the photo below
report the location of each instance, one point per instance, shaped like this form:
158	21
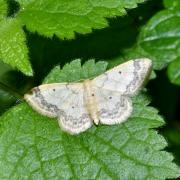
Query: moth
105	99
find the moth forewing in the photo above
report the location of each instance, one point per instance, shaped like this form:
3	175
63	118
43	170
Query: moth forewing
127	78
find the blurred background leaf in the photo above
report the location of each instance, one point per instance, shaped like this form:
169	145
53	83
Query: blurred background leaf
3	9
175	4
174	71
64	18
160	38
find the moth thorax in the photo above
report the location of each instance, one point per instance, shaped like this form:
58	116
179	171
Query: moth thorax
90	100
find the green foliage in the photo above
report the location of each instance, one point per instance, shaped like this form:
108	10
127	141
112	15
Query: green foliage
6	100
174	71
34	147
13	50
3	9
174	142
49	17
73	71
160	39
64	18
175	4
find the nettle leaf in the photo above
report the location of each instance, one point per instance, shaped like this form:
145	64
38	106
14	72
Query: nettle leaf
34	147
3	9
174	71
74	72
64	18
13	49
160	38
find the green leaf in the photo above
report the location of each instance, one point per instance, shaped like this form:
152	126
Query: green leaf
160	38
34	147
73	71
64	18
174	71
13	49
169	4
3	9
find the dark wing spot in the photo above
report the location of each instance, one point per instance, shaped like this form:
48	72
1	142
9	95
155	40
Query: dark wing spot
92	94
73	107
54	90
110	97
119	72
